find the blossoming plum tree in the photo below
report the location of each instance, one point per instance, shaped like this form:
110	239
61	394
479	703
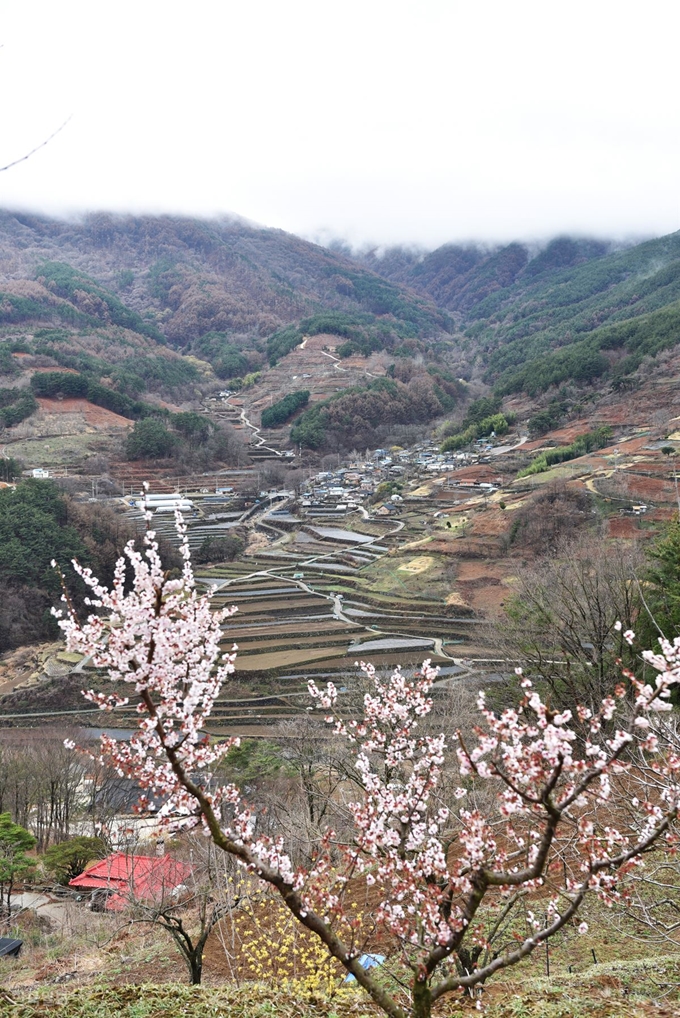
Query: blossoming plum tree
443	879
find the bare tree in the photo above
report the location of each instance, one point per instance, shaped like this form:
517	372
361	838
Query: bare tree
191	914
41	784
561	620
189	923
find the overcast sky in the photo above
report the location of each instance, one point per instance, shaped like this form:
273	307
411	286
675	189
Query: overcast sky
378	121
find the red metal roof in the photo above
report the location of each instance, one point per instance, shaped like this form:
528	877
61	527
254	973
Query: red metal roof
130	877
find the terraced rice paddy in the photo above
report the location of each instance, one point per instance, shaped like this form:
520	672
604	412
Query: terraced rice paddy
307	605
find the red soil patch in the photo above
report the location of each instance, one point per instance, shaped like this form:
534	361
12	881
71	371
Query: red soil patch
650	487
491	523
566	435
625	527
470	571
95	416
662	514
478	472
621	414
653	466
444	547
631	445
484	597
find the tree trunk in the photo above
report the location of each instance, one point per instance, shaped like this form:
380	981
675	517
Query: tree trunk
422	1001
196	966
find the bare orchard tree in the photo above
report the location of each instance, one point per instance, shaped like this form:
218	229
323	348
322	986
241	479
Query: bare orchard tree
191	913
59	798
652	903
311	793
560	622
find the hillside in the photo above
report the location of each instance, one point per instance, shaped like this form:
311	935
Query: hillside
576	311
235	297
156	313
187	277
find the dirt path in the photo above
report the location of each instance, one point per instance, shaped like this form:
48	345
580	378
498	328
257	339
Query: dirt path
41	904
500	449
590	483
256	436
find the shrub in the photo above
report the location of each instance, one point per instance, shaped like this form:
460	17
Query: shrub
220	549
59	383
279	413
194	427
150	439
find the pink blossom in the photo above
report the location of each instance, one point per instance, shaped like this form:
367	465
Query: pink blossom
162	638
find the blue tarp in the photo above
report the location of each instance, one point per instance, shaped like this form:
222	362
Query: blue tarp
367	961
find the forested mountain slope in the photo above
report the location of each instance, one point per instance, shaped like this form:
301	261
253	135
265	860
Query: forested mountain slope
575	311
238	297
191	276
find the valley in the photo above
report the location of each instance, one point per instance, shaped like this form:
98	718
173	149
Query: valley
466	456
330	576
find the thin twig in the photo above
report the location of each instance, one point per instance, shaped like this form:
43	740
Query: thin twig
37	147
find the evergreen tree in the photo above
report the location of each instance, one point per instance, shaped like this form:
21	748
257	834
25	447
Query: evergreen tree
15	841
68	859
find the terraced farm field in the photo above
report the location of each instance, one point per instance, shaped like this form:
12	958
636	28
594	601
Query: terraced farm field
310	603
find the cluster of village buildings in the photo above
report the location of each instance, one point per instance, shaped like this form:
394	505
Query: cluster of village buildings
384	479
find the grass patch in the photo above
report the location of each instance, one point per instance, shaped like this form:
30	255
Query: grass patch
624	989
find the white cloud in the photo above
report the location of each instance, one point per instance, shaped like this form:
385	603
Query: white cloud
381	120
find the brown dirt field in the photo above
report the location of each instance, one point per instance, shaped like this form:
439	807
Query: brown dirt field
477	547
631	446
250	607
650	488
469	571
566	435
403	656
95	416
482	585
623	414
653	466
477	472
444	547
662	514
250	633
624	527
281	658
484	597
490	523
336	640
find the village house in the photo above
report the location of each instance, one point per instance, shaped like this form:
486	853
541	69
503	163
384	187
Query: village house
120	879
